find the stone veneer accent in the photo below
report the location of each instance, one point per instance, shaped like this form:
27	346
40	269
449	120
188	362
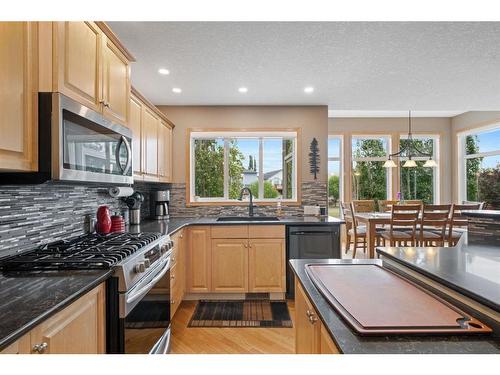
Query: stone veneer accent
31	215
483	231
313	193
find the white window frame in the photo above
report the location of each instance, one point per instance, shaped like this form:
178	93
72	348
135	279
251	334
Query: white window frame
435	155
388	138
226	136
462	157
340	159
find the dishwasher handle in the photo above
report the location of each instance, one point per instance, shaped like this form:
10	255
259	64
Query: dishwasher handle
304	233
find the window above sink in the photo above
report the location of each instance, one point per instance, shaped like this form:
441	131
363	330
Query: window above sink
221	163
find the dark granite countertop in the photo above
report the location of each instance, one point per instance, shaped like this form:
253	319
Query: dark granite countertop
351	343
27	299
470	269
174	224
490	214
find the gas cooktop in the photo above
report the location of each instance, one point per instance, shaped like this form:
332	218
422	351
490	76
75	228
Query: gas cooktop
90	251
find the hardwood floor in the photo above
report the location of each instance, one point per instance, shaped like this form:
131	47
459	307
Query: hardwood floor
229	340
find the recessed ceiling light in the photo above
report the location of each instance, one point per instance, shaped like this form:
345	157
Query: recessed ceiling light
164	71
243	90
308	89
176	90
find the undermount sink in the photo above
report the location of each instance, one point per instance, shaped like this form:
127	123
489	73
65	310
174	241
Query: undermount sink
248	218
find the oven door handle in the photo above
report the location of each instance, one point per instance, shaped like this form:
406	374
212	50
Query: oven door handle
146	288
163	344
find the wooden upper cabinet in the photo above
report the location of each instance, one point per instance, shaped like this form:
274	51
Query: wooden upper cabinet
266	265
199	260
165	152
229	265
19	96
135	124
78	329
77	64
150	127
116	83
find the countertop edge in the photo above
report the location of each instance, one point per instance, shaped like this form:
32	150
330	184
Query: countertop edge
7	340
445	282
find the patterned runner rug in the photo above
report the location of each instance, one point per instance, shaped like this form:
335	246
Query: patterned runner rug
241	313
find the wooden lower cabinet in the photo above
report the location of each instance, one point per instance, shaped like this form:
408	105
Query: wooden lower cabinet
78	329
199	263
178	272
229	265
266	265
311	336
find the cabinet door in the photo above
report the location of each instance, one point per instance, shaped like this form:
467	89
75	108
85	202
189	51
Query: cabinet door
19	97
116	83
230	265
78	329
77	58
164	152
178	276
307	325
135	122
150	124
20	346
199	263
266	269
327	346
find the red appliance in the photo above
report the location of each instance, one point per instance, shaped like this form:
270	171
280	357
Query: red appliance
117	224
103	225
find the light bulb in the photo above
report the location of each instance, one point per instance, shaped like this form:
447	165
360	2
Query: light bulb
389	164
430	163
409	164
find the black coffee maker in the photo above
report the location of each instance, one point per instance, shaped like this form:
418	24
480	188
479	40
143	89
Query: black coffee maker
159	204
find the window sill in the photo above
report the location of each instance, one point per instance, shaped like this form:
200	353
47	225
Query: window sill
244	203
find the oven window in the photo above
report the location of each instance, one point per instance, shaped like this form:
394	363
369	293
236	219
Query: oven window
149	320
90	147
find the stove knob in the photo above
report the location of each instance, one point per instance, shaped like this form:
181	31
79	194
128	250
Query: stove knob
170	244
147	263
139	268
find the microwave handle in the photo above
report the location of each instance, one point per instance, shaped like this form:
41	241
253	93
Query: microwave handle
129	156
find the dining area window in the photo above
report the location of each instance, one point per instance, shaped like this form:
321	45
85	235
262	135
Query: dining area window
370	180
479	166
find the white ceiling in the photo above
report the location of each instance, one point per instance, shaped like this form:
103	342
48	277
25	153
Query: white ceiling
439	67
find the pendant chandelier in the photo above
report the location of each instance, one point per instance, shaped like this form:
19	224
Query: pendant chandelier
411	150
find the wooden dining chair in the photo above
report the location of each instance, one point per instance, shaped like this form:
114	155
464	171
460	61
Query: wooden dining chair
386	205
414	201
403	226
354	231
433	224
364	205
458	221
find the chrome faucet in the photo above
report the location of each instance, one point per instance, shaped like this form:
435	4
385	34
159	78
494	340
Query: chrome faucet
250	206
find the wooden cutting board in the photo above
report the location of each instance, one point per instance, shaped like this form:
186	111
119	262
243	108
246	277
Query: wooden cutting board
375	300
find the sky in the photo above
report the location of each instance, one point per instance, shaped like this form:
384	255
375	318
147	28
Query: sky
489	141
272	152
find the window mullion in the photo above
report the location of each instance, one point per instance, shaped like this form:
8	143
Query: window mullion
261	168
226	169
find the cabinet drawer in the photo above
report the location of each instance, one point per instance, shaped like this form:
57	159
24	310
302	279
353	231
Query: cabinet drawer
175	297
229	231
266	231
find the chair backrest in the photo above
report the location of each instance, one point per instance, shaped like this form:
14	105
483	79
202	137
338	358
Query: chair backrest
404	216
457	219
415	201
435	216
346	211
364	205
386	205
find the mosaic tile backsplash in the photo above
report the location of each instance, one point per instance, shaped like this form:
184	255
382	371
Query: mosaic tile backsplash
32	215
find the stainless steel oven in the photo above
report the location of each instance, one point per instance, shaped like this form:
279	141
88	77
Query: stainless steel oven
139	302
84	145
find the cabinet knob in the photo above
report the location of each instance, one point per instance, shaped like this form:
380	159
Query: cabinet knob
172	277
172	302
40	348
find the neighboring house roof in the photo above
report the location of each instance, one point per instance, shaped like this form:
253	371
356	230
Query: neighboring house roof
270	174
249	172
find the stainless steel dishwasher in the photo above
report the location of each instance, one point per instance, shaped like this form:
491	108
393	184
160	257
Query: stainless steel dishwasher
310	242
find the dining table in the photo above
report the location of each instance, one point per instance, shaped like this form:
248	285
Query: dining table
371	220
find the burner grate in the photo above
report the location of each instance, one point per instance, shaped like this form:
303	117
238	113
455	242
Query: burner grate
86	252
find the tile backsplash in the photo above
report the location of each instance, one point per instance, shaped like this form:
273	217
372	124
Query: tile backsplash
31	215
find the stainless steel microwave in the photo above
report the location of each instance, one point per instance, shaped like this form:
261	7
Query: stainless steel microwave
77	144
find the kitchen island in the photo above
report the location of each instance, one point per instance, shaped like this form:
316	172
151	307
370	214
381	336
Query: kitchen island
349	342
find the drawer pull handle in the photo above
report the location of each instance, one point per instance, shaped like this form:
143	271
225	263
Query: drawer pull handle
172	277
313	319
172	302
40	348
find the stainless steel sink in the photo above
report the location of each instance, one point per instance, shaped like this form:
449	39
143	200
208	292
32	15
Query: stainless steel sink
248	218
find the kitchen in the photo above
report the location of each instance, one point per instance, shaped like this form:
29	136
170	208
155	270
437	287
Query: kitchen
206	227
